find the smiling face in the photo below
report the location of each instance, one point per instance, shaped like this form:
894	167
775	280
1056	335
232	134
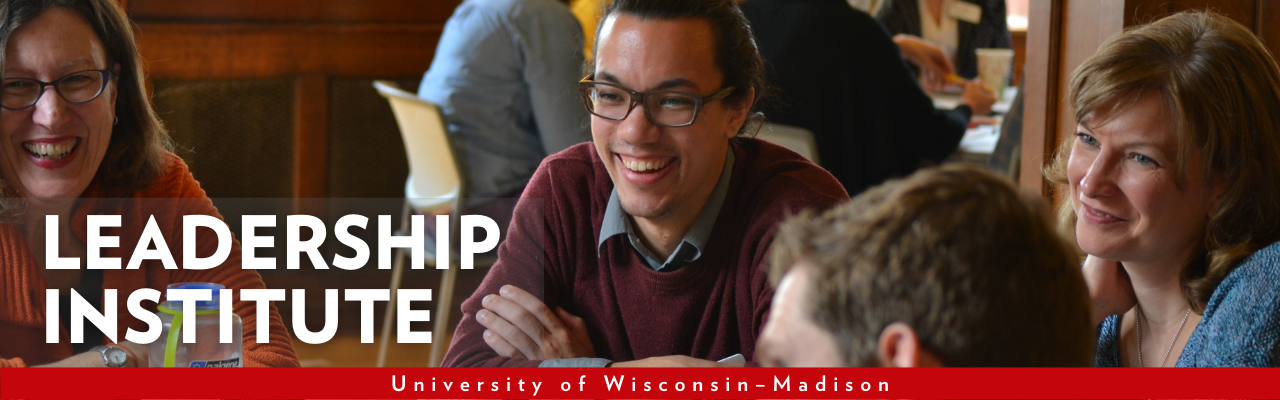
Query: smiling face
52	150
663	174
791	338
1125	192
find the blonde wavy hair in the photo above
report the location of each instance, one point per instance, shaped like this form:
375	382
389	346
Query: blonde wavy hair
1222	88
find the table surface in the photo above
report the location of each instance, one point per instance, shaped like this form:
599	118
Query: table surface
947	101
978	140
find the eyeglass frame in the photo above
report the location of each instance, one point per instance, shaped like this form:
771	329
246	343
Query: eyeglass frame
699	101
107	75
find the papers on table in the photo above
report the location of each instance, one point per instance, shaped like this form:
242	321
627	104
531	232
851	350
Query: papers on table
947	101
980	140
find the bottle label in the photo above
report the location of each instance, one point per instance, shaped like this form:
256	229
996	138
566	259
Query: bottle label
228	363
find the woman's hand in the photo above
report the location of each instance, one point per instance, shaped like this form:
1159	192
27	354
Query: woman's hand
1110	290
141	352
978	98
932	61
93	359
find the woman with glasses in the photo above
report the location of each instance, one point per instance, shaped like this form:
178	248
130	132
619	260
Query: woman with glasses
80	138
1172	184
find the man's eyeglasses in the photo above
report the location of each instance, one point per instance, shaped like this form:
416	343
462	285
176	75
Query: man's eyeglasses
666	108
76	88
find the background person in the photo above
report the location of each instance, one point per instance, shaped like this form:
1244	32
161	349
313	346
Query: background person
1171	182
505	76
947	267
958	27
645	247
90	144
843	79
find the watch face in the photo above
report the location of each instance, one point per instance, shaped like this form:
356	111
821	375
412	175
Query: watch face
117	356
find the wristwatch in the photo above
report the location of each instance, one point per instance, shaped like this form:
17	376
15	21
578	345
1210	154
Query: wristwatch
115	356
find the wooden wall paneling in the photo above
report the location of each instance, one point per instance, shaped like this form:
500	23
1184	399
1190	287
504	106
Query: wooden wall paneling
1267	25
228	51
335	11
1040	100
1261	16
1138	12
308	45
311	143
1081	26
310	53
1019	44
1086	24
1251	13
1243	11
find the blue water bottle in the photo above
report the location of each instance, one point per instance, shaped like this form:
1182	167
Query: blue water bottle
207	351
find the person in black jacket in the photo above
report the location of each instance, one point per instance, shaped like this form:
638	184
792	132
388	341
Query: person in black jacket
986	28
843	78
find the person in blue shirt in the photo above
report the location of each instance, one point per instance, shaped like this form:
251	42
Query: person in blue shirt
506	74
1172	188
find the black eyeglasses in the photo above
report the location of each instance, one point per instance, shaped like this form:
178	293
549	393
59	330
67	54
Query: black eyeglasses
666	108
76	88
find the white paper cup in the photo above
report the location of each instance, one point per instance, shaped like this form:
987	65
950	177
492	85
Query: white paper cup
993	69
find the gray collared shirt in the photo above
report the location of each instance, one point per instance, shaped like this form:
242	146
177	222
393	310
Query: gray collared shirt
690	249
616	222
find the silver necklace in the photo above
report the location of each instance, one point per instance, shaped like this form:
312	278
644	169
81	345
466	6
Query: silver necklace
1138	323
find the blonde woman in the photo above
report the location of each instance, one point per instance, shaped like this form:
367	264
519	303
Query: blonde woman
1172	184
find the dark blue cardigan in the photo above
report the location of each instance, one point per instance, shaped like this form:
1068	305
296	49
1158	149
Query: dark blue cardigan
1241	324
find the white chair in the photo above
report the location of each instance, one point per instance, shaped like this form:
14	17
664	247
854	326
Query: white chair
435	184
797	139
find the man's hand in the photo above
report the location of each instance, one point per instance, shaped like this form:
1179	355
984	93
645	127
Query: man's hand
521	326
932	61
1110	290
978	98
672	362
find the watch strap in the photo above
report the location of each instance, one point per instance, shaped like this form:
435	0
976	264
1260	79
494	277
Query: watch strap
132	357
106	359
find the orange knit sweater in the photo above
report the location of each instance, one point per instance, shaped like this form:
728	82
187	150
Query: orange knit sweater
168	198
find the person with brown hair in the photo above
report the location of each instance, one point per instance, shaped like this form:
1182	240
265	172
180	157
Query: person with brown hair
644	247
842	78
1172	188
81	138
947	267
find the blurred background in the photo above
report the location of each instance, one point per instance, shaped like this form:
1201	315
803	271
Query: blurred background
273	99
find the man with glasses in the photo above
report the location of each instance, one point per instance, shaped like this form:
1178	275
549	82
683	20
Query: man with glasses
646	246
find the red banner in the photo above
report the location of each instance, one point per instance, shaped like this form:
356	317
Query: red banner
581	383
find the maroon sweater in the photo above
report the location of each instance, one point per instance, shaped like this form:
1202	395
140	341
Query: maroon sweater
711	308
